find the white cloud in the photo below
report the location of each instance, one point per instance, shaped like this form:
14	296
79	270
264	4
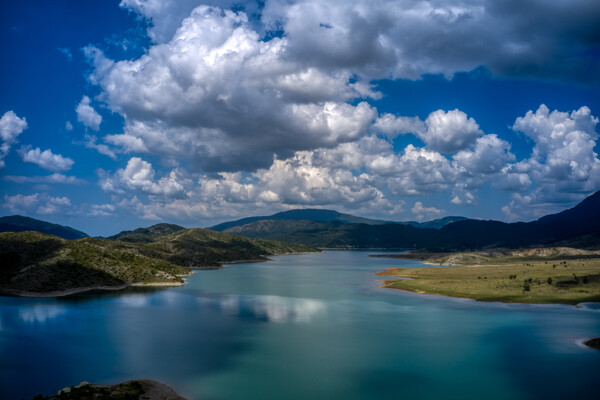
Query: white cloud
166	16
46	159
54	178
37	203
101	210
87	115
217	96
563	156
513	182
416	171
68	126
442	131
406	39
421	212
11	126
91	143
563	167
450	131
489	156
129	143
393	125
138	175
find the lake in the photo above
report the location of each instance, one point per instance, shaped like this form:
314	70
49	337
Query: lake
313	326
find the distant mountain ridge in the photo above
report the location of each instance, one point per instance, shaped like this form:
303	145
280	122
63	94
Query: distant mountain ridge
578	226
321	215
436	223
308	214
18	223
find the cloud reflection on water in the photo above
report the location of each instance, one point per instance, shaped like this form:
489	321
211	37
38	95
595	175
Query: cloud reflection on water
266	308
40	313
269	308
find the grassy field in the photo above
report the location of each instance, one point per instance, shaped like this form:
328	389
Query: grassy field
524	276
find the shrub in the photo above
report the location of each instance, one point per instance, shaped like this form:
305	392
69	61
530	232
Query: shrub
549	280
526	286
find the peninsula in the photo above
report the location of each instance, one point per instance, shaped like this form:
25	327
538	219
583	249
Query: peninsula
540	275
42	265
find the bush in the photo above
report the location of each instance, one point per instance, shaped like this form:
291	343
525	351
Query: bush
549	280
526	286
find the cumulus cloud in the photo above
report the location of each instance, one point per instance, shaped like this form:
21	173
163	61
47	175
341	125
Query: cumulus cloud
443	131
563	155
87	115
489	156
139	175
218	96
406	39
46	159
421	212
37	203
416	171
166	16
11	126
563	166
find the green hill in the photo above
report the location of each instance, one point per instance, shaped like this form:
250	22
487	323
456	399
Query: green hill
37	263
146	235
200	248
40	263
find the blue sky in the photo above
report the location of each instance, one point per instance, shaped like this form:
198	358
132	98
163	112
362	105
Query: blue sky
116	115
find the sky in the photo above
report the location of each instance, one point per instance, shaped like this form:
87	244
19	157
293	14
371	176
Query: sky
121	114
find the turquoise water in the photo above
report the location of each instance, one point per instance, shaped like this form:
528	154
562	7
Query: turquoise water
313	326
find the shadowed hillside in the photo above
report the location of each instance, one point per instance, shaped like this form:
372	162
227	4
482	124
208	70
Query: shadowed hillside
18	223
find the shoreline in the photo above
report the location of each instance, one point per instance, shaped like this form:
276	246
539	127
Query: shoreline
68	292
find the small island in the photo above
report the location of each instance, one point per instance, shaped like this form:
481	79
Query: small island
556	275
137	389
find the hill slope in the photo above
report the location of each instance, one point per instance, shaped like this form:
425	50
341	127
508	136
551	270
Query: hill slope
34	262
198	248
146	235
18	223
41	263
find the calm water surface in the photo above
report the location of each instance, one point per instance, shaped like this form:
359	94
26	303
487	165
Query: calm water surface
313	326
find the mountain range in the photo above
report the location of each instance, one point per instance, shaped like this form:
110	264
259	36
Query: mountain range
576	227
